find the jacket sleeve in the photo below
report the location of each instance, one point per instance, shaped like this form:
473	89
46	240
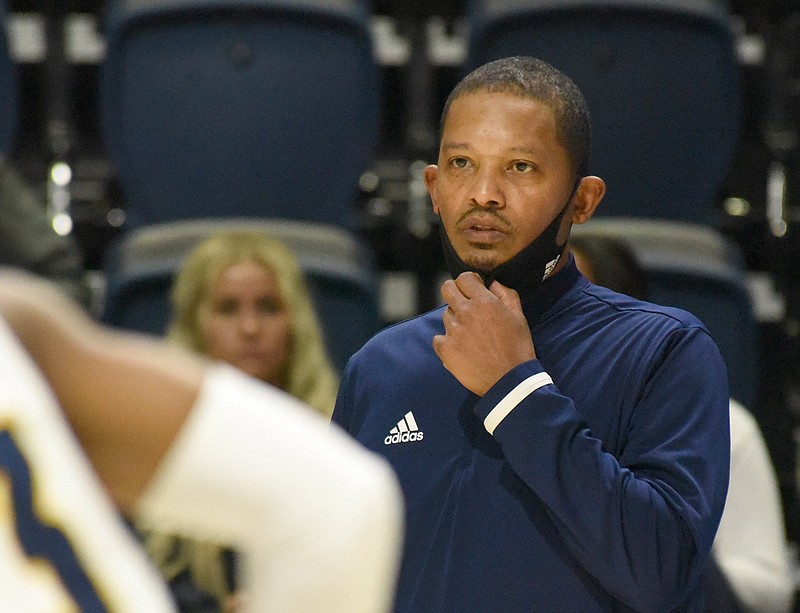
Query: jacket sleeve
641	522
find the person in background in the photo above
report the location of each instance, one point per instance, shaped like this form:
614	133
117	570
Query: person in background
241	298
95	422
750	548
560	448
609	262
28	240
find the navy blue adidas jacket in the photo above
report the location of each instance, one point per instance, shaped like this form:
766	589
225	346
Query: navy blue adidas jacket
599	492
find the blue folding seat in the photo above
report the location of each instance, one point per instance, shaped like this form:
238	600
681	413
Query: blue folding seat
662	83
239	107
339	270
8	87
696	268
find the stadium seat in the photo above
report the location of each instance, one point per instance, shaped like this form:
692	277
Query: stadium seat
141	267
696	268
214	108
662	83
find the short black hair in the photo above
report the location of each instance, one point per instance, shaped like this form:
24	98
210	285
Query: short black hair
530	77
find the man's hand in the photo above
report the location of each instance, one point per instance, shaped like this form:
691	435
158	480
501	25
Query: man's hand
486	333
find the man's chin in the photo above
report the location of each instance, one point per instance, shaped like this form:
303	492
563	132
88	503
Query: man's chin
483	266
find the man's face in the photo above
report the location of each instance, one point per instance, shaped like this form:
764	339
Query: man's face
502	176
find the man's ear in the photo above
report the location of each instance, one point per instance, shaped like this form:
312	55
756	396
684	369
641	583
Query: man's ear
429	174
588	195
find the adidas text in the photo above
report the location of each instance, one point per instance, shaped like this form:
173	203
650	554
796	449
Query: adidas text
405	437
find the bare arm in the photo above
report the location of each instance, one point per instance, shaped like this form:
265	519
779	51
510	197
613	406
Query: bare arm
317	517
124	396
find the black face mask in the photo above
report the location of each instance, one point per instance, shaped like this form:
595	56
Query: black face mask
526	269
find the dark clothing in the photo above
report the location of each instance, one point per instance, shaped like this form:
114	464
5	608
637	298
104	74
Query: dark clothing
600	491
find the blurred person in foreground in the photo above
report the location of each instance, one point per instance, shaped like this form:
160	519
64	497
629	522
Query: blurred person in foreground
96	421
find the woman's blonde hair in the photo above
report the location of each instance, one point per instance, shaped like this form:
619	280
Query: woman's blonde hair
310	375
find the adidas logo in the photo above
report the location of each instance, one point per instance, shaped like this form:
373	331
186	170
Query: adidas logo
550	266
405	431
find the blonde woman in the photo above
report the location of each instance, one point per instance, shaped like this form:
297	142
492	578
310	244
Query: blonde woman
241	298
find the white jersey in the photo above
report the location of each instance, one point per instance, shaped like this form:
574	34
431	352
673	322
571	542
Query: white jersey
317	518
63	546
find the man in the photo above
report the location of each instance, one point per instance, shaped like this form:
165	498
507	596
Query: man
182	445
559	450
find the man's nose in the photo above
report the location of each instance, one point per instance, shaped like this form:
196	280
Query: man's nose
488	189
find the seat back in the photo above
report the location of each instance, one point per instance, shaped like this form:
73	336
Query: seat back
215	108
661	81
8	87
698	269
143	263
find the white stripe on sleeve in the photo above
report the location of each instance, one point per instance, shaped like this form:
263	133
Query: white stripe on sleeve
513	398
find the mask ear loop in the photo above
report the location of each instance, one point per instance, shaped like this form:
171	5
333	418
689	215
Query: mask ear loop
569	199
566	206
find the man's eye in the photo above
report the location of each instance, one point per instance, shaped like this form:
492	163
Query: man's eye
459	162
523	166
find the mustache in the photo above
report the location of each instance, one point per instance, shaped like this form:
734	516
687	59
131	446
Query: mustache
481	212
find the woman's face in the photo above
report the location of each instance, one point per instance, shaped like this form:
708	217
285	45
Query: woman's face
244	322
